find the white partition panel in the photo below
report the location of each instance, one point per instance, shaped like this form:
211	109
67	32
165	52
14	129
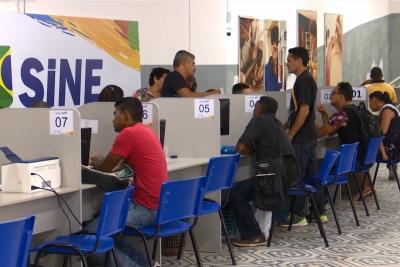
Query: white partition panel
185	135
101	113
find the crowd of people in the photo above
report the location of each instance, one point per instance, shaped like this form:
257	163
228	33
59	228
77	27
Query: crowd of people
298	137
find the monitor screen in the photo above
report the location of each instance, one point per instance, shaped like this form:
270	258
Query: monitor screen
224	104
86	134
162	132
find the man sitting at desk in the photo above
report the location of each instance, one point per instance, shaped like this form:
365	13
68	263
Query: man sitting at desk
344	122
140	148
176	85
261	137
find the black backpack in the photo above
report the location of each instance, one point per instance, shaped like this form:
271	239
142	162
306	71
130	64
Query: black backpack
369	126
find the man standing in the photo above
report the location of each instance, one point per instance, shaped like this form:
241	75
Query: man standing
175	84
301	125
140	148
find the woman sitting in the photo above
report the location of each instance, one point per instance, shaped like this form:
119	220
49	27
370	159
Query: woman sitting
390	125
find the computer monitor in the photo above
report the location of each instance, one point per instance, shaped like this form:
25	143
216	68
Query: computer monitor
86	134
224	104
162	132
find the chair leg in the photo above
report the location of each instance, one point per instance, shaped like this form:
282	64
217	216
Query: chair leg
395	175
195	248
335	194
292	203
376	174
352	205
228	242
178	257
65	261
333	210
154	253
271	230
321	228
115	256
361	192
373	192
147	251
37	258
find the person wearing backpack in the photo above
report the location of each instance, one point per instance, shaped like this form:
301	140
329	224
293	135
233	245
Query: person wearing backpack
265	137
389	125
346	122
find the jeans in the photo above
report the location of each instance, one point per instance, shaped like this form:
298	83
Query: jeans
308	166
127	254
241	194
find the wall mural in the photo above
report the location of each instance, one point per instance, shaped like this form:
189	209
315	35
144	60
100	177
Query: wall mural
333	48
262	50
307	36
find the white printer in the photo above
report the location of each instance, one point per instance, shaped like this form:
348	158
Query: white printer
27	176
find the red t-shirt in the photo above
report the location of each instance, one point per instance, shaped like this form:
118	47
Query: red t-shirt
141	149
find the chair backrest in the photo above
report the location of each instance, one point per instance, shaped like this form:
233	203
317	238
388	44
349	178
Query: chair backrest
114	212
180	199
221	172
347	159
372	150
15	241
327	164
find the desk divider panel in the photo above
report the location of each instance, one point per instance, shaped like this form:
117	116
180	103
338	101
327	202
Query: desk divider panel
185	135
27	133
102	112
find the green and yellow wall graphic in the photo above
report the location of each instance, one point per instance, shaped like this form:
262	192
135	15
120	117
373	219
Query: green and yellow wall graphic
6	95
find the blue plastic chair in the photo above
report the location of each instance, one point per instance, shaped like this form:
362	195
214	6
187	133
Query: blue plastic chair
369	160
112	221
308	187
345	166
16	237
221	172
180	200
391	164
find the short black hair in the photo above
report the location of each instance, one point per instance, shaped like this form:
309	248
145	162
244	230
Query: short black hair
376	73
345	89
275	34
181	56
268	105
157	73
111	93
237	88
381	96
300	52
131	105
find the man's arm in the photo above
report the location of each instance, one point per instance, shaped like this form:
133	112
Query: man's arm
109	163
242	149
186	92
299	121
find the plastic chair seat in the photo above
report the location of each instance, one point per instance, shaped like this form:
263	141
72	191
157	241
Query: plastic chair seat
208	207
168	229
85	243
301	190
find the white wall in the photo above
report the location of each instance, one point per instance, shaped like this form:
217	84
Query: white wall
166	26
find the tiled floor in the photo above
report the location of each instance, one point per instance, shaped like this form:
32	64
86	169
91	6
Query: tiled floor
375	243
